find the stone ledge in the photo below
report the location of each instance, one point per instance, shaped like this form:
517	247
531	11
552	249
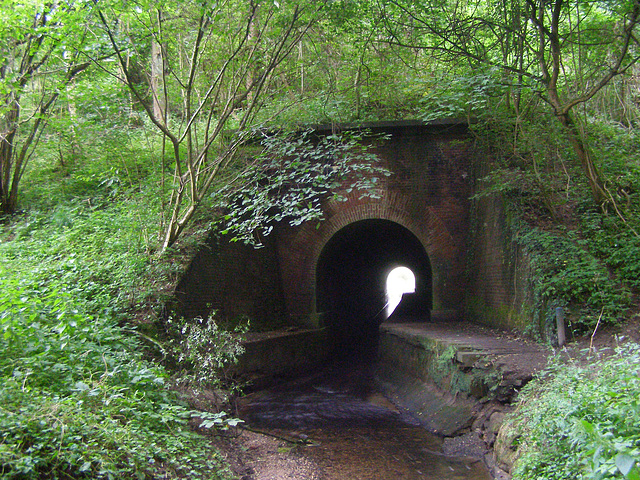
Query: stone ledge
282	354
446	372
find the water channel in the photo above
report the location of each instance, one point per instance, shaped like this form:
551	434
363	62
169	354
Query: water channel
349	430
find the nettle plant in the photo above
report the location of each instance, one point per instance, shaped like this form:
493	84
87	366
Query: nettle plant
203	351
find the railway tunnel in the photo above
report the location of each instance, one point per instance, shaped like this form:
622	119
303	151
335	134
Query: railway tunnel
351	282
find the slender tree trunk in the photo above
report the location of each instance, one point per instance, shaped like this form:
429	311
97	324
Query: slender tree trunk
583	155
157	81
8	194
7	204
301	60
251	40
551	73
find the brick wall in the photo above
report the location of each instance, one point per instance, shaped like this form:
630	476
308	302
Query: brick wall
476	270
235	280
499	293
428	194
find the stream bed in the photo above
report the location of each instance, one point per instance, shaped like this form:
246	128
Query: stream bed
341	423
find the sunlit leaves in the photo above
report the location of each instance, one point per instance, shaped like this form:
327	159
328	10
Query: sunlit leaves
292	177
39	55
76	396
203	349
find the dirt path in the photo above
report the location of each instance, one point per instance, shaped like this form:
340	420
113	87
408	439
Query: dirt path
255	456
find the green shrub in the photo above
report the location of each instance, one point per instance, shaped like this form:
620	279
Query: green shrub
204	350
582	422
567	274
78	400
616	243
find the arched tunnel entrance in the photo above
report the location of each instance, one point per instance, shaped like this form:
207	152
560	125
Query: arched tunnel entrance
351	276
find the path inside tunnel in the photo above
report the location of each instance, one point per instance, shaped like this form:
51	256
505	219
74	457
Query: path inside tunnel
352	276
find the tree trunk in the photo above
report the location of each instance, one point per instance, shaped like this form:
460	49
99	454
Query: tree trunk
157	74
582	153
8	200
157	81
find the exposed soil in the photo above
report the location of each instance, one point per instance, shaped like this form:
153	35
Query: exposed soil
256	456
253	455
352	454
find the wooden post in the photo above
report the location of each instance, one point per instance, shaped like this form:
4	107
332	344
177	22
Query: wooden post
562	337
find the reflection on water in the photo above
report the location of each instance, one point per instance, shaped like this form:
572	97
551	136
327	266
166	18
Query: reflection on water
352	431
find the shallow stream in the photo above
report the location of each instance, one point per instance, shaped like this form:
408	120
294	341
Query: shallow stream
348	429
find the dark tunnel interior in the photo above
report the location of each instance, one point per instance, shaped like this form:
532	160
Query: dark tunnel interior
351	282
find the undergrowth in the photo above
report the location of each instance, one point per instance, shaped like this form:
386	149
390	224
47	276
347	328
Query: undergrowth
582	257
78	397
582	421
78	400
567	273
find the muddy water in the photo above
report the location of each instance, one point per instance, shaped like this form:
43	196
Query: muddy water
350	431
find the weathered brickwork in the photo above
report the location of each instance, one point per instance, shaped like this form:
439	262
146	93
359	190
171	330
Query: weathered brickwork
428	194
499	293
234	279
475	271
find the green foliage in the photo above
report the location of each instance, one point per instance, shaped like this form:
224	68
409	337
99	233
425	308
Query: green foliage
39	58
204	350
582	422
614	235
567	274
292	177
93	254
218	420
77	399
582	258
94	163
345	70
612	240
463	96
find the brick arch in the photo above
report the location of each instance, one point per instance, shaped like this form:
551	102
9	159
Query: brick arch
433	172
308	242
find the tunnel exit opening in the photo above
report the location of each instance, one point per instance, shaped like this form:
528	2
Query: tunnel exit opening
352	277
400	280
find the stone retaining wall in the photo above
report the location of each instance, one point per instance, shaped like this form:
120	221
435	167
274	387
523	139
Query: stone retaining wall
281	356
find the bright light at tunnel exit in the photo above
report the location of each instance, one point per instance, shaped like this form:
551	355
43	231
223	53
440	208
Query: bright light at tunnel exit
400	280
